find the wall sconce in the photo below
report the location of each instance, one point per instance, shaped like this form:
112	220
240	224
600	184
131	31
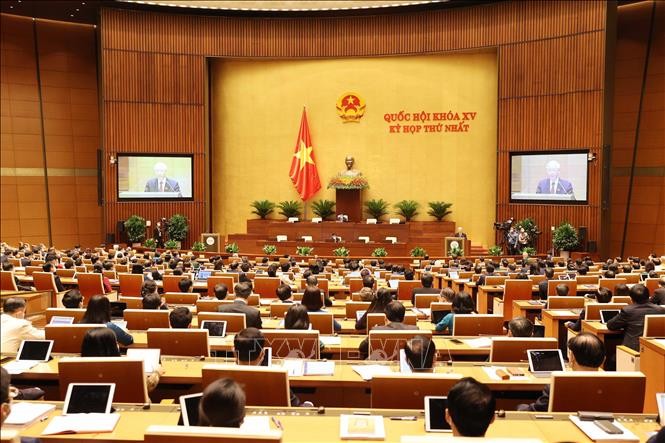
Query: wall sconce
113	160
591	156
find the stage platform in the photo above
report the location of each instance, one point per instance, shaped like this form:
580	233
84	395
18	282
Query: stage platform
426	234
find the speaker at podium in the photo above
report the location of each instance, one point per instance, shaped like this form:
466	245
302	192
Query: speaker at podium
211	241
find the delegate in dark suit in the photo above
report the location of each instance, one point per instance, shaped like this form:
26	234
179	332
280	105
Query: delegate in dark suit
561	186
252	315
170	185
363	347
631	320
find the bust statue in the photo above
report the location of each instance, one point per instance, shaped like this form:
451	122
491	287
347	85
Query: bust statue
350	172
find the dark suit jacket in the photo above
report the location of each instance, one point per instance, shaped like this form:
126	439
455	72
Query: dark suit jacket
658	297
540	405
252	315
631	320
542	289
421	290
58	283
170	185
363	347
26	262
563	187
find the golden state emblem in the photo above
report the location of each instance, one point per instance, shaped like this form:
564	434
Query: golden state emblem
350	107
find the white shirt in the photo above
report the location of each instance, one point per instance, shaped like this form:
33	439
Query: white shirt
14	330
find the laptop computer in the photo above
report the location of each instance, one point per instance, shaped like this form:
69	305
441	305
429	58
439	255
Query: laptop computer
61	320
83	398
608	314
118	309
542	362
437	316
216	328
203	275
435	414
189	409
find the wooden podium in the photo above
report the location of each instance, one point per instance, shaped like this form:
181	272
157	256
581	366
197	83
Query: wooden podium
211	240
462	243
349	202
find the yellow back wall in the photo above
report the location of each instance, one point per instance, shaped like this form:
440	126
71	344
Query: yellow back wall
256	108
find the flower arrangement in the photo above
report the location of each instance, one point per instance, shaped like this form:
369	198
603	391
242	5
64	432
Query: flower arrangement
270	249
345	182
341	252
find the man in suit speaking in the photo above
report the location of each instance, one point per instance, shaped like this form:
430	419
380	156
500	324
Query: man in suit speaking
161	183
553	184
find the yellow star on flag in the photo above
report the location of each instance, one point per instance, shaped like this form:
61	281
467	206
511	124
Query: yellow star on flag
304	154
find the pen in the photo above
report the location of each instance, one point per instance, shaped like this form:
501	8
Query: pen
277	423
405	418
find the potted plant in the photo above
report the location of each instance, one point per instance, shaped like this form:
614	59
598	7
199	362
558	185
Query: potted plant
150	243
341	252
377	208
262	208
304	250
407	209
455	252
198	246
565	239
270	250
178	228
135	228
529	251
231	248
290	208
495	250
323	208
379	252
418	252
171	244
439	209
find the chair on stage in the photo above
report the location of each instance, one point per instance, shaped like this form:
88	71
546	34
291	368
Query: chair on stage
190	342
617	392
144	319
68	338
513	349
130	284
127	374
235	322
7	282
292	343
77	314
266	287
385	344
404	288
181	298
477	324
322	322
408	391
206	434
552	284
263	386
557	302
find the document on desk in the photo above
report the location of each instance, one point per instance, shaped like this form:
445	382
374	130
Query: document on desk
596	434
361	427
424	312
314	367
295	367
256	424
24	414
82	424
480	342
566	312
367	372
330	340
19	367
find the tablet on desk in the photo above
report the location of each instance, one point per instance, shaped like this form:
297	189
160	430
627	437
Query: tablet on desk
608	314
89	398
189	409
435	414
216	328
453	274
35	350
61	320
359	315
542	362
118	309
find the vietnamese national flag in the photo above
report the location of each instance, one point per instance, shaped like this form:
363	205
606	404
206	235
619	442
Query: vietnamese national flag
303	173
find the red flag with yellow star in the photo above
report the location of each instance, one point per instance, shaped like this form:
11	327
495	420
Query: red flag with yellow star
303	173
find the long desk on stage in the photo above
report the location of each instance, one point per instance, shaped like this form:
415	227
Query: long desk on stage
300	424
399	249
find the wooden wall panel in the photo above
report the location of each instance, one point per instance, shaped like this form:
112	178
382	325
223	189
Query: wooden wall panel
551	81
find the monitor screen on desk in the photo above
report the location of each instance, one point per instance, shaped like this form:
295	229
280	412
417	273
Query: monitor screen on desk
155	177
555	177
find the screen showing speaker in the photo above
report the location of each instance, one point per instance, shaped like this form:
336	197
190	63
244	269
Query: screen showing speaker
560	177
155	177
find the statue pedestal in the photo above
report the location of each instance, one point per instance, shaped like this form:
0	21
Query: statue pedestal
349	202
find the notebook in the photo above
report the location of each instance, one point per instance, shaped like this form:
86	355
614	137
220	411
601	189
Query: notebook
24	414
542	362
